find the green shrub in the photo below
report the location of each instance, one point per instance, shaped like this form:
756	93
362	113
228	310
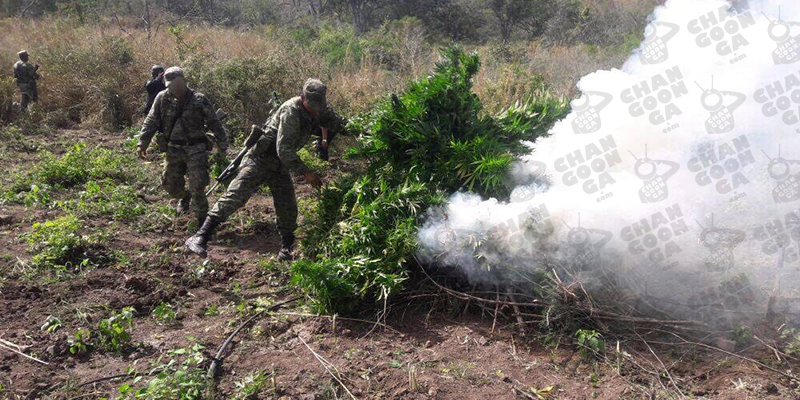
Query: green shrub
78	166
58	244
121	202
246	88
431	140
339	46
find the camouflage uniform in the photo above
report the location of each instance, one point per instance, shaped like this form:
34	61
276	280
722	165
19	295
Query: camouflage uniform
26	76
271	160
187	146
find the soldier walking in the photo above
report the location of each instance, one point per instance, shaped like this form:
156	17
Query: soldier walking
26	75
154	86
271	160
182	116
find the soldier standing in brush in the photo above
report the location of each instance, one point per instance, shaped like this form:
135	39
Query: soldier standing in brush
154	86
182	116
26	75
271	159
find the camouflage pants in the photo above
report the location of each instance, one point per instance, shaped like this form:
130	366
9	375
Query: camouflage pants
252	174
30	94
190	162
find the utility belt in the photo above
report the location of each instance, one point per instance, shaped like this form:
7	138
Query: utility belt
188	142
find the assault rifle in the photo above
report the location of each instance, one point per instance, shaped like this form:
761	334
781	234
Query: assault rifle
233	167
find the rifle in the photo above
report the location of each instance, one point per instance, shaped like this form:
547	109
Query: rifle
233	167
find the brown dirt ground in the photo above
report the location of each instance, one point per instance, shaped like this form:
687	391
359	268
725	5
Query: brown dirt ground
456	355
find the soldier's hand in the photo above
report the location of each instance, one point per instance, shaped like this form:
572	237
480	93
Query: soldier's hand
313	179
142	152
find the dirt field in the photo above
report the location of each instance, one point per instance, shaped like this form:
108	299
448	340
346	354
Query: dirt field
425	348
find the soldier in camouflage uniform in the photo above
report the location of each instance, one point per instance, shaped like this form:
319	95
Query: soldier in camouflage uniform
154	87
271	160
26	75
182	116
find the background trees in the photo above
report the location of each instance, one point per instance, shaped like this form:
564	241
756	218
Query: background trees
454	20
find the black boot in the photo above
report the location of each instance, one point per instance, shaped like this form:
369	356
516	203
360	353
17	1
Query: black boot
286	249
201	218
183	204
197	243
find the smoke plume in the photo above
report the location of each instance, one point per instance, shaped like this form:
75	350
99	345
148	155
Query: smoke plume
678	174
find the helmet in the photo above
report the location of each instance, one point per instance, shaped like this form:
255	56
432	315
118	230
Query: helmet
157	69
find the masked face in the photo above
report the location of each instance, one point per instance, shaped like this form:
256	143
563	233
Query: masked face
177	86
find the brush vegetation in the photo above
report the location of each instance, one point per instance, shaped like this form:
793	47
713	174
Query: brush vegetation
420	145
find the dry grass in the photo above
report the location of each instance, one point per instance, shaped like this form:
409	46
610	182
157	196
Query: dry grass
94	74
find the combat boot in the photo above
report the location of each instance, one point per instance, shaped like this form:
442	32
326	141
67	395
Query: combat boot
183	204
201	218
286	249
197	244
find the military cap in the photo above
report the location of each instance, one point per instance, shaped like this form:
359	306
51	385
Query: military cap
23	53
171	74
315	91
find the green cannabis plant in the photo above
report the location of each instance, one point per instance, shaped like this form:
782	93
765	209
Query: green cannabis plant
419	146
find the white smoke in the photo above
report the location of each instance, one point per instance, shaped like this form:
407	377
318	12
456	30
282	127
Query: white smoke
688	156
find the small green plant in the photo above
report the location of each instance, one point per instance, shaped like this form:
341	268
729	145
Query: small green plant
791	341
211	311
58	244
164	313
51	324
113	331
76	167
254	384
742	336
591	343
180	377
79	342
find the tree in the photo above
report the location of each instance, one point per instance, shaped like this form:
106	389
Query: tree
509	14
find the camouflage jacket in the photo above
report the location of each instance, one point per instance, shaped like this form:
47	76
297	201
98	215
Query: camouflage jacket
197	118
25	73
289	129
